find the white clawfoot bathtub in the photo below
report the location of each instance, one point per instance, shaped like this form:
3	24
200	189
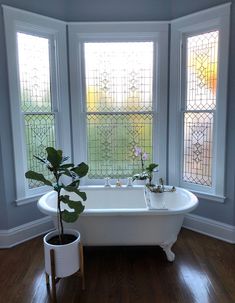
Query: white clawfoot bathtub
128	216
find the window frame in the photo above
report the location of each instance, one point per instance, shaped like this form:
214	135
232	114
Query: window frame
124	113
80	33
216	18
17	20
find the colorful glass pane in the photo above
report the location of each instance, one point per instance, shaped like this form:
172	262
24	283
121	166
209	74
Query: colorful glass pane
202	62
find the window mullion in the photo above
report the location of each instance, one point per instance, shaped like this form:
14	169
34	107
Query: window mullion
198	111
121	113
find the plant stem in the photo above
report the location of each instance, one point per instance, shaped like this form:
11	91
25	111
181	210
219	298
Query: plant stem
58	217
61	227
59	214
142	162
150	178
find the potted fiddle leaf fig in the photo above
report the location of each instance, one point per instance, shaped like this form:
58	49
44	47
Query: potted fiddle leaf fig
63	241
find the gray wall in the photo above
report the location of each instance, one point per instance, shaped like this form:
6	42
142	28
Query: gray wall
181	8
3	209
105	10
121	10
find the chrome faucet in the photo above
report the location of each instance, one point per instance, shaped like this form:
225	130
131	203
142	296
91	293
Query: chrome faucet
107	182
118	183
129	182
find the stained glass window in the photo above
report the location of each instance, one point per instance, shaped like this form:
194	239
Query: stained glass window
36	104
200	104
119	83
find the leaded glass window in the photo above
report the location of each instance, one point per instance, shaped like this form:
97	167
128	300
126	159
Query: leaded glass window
119	105
200	107
35	98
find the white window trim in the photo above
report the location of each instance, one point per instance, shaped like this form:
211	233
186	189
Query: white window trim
119	31
19	20
214	18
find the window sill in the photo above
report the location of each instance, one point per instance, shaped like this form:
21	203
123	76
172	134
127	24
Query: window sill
210	197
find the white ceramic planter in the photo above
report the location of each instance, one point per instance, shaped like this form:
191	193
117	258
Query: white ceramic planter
66	256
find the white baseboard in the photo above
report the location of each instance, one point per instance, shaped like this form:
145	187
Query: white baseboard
210	228
22	233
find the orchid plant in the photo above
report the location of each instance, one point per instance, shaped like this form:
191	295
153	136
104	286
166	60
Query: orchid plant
146	173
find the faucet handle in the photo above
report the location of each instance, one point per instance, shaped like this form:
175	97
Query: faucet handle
118	183
107	182
129	182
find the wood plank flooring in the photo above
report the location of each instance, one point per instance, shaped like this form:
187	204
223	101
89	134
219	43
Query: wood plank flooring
203	272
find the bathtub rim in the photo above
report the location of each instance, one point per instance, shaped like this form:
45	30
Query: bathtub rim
44	208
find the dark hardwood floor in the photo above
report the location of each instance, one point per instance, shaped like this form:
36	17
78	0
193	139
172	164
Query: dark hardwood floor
203	272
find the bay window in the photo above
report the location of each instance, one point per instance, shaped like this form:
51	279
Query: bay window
128	88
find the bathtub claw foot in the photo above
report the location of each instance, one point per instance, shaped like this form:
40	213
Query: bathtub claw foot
167	249
170	255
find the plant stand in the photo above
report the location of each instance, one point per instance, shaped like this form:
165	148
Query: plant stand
54	279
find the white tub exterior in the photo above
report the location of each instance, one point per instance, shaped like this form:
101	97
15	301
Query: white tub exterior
127	216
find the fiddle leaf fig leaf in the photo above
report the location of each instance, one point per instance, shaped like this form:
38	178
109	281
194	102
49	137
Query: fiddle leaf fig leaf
65	171
76	191
65	199
54	157
75	183
81	169
77	208
43	160
66	166
69	217
38	177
